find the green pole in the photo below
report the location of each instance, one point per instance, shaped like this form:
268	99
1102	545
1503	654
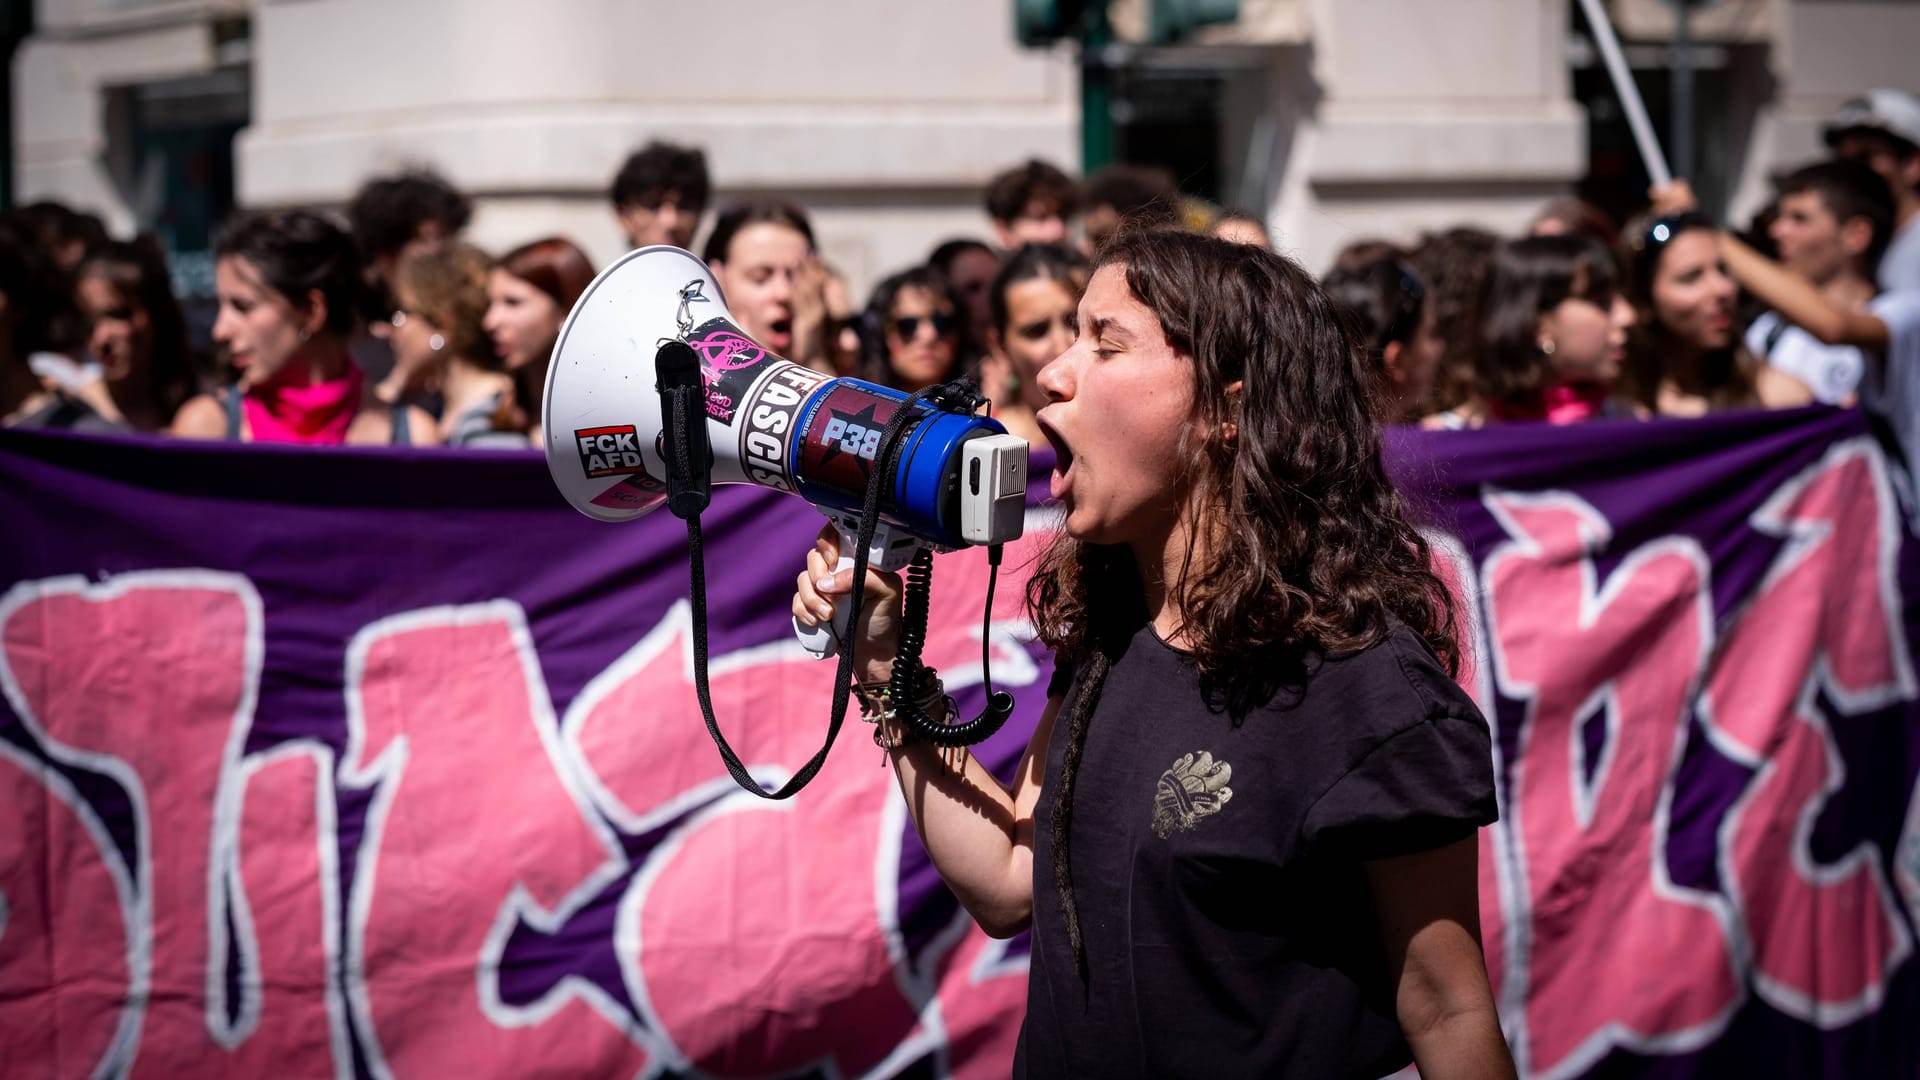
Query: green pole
16	22
1096	90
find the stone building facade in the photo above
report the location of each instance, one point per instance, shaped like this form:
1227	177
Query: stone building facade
1332	118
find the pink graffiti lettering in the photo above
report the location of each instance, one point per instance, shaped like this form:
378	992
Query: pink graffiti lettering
687	948
286	847
65	1007
93	666
1825	938
1592	853
477	824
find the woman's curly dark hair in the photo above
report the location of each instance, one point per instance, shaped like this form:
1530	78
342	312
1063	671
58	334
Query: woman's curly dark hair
1314	549
1309	549
1453	266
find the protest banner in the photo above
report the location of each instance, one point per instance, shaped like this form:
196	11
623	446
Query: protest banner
384	763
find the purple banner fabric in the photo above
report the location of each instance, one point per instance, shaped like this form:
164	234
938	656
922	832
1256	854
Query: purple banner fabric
384	762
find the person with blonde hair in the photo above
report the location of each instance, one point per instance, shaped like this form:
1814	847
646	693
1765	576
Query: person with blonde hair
441	346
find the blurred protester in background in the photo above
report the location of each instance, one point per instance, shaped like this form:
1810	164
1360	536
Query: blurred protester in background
1032	204
1831	223
1685	356
1453	267
135	333
1578	217
36	319
529	293
1364	252
289	286
1882	132
1142	196
1392	319
763	256
659	194
1553	336
1035	301
1835	220
843	325
63	234
397	216
392	217
916	336
440	342
1241	227
969	266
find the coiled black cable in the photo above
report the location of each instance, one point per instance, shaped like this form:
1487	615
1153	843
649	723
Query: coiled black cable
907	665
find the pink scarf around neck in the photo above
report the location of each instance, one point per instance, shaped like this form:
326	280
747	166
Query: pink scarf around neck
311	414
1561	403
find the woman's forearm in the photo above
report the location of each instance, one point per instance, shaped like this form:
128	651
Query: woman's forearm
978	832
1798	301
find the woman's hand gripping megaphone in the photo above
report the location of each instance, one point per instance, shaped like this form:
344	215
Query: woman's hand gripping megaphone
824	592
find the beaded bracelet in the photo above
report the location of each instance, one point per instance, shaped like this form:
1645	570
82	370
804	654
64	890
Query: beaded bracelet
877	707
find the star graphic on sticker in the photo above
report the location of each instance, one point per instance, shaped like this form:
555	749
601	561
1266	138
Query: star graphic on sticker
864	418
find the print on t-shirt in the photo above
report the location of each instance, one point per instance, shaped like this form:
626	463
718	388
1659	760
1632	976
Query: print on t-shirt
1196	787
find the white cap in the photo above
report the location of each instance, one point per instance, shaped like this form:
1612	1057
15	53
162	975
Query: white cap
1894	112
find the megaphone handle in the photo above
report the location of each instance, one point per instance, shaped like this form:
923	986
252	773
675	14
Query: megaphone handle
819	639
891	550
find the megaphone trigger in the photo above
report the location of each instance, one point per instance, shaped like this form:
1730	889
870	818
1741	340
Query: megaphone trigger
890	551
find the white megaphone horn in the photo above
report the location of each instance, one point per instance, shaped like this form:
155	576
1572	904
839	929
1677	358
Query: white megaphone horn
956	479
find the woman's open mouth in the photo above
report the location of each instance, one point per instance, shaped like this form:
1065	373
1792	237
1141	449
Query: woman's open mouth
779	335
1061	479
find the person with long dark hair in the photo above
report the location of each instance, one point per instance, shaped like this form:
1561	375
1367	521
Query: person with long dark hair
1249	810
1453	266
1553	336
1393	318
1685	356
915	332
136	333
763	257
38	326
1035	304
969	266
289	287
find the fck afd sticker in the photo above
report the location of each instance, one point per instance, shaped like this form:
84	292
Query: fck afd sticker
609	451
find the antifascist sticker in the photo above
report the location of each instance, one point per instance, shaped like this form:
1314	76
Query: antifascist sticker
609	451
729	362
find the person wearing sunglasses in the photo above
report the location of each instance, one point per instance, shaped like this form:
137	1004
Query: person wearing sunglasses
915	336
1685	356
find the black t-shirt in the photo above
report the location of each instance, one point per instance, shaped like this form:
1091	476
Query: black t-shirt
1217	868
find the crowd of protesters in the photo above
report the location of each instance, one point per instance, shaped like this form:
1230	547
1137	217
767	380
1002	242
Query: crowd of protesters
387	327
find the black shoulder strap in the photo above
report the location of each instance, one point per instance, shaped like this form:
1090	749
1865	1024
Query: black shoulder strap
402	425
235	419
1773	336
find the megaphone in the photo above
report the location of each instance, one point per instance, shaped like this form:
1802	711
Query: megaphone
956	479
